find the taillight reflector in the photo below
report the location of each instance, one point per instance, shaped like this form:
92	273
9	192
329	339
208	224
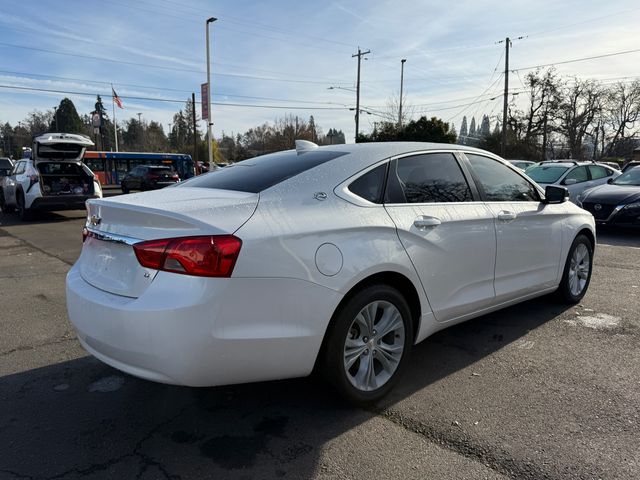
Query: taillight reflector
207	256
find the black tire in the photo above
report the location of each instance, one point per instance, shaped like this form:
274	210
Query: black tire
125	190
567	291
3	206
24	213
343	325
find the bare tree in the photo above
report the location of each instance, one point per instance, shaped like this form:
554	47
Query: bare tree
621	112
580	104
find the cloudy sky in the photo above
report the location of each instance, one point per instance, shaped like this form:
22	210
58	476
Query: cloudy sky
280	57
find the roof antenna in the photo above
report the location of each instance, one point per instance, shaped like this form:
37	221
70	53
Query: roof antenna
305	146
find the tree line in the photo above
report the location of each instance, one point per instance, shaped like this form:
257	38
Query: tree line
565	117
142	135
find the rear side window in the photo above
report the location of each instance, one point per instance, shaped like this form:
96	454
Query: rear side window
598	172
370	185
257	174
428	178
499	182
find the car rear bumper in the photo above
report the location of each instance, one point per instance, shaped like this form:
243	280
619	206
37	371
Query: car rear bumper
203	332
61	202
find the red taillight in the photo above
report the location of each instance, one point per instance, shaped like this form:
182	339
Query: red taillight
151	176
210	256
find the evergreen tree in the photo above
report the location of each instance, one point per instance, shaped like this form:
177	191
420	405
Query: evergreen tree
463	127
485	126
472	127
68	119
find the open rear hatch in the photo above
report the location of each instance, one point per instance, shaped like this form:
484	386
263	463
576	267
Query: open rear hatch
64	178
108	260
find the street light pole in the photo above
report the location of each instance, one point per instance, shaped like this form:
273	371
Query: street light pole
209	123
359	55
401	82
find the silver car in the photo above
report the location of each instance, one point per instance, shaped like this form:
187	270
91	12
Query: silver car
575	176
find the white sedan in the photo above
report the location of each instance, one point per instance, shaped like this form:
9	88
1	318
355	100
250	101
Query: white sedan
339	257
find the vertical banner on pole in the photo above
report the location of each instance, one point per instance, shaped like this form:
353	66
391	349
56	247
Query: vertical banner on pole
204	96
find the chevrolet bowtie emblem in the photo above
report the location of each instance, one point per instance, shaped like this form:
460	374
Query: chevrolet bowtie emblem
95	220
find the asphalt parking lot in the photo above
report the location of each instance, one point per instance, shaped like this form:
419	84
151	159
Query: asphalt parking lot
536	391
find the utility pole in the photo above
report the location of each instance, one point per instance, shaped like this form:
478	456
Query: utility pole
401	82
359	55
195	140
55	114
503	146
209	122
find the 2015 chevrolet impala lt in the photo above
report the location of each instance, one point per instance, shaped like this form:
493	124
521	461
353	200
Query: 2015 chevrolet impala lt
338	257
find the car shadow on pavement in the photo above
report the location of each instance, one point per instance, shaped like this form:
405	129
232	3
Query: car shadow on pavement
10	219
82	418
619	236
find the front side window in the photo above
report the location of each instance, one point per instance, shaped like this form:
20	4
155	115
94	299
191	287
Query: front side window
20	167
499	182
427	178
579	174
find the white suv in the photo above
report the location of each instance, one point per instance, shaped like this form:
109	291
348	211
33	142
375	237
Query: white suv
53	179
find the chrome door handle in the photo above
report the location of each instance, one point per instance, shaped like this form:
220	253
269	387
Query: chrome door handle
506	216
423	222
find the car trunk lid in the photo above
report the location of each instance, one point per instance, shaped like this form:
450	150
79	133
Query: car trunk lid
108	261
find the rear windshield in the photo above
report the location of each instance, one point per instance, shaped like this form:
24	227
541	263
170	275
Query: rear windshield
160	170
59	150
545	173
257	174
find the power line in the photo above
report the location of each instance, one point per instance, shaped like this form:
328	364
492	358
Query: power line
30	76
168	100
582	59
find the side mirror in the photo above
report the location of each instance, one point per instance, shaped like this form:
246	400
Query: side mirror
554	194
570	181
610	181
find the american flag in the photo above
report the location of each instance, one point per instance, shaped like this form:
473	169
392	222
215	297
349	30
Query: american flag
116	98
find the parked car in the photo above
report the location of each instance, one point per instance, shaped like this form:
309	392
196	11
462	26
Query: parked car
6	165
616	203
521	164
149	177
341	257
614	165
630	165
54	178
576	176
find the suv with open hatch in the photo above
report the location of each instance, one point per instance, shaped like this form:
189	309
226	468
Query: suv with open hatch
53	179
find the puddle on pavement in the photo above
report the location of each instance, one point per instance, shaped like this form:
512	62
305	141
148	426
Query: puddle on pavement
599	321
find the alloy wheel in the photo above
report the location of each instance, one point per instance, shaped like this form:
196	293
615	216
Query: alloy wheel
374	346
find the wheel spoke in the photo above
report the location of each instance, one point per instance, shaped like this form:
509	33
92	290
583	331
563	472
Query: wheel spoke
390	321
388	360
